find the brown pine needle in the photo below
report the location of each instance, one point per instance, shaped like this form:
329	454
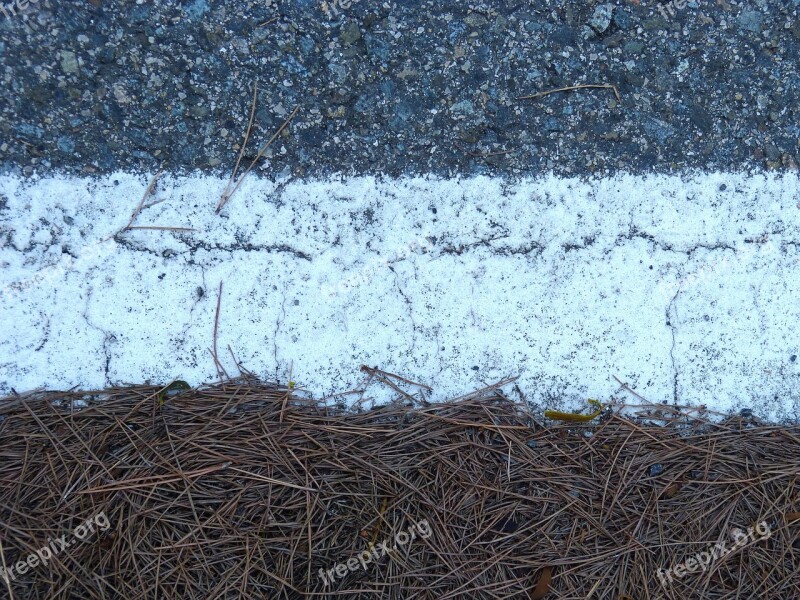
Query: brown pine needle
149	190
160	228
153	481
5	570
215	355
627	388
604	86
233	490
226	196
141	206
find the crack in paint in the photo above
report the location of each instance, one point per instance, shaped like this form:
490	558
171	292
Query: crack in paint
636	233
107	338
409	306
671	307
192	248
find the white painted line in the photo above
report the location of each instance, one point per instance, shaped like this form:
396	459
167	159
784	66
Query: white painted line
686	287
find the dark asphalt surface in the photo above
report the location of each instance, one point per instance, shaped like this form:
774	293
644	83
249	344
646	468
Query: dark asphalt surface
400	87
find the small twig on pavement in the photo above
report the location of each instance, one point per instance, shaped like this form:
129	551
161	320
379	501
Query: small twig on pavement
627	388
160	228
228	193
150	187
141	206
604	86
220	369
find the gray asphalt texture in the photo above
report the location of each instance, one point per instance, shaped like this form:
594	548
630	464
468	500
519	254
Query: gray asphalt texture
401	87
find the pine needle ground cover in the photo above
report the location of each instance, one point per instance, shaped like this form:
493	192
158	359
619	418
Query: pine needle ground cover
250	489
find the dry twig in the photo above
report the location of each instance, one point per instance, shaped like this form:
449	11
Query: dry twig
214	354
604	86
231	187
141	206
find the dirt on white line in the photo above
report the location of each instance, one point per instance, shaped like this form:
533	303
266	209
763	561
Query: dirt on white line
684	286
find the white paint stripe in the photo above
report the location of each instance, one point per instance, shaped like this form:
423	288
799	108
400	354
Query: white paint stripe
674	284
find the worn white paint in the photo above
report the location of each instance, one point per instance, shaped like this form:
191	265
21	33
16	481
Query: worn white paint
684	289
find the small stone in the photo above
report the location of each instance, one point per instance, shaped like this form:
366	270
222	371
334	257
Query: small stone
658	129
350	34
751	20
66	144
793	358
601	18
613	40
622	19
365	103
633	47
773	153
197	9
336	113
654	24
120	94
500	24
553	124
69	62
199	112
377	47
475	20
29	131
789	162
240	46
795	29
465	107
